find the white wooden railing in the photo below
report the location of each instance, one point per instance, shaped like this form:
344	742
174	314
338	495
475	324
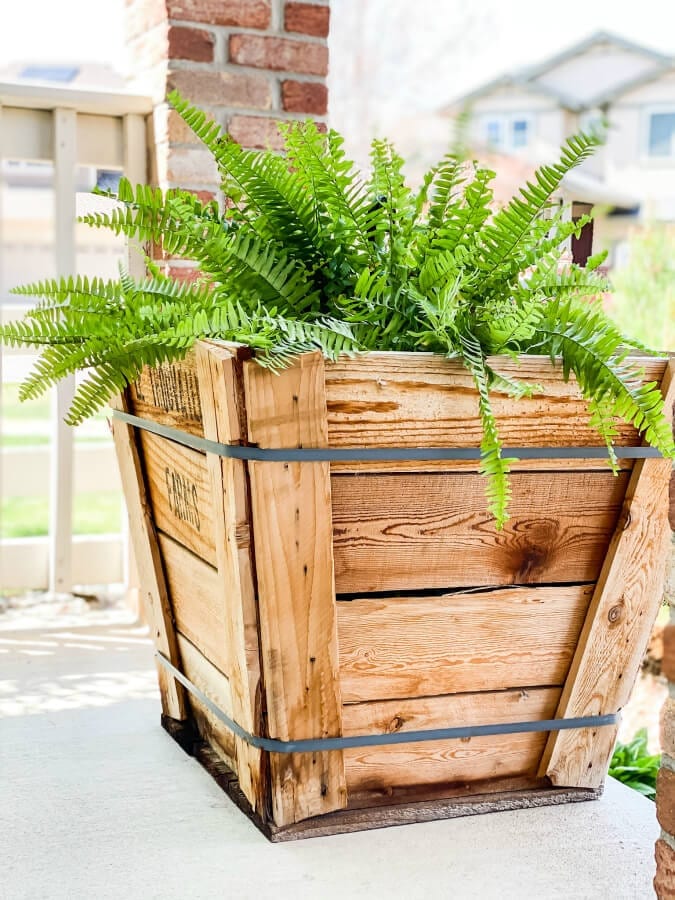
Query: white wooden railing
67	128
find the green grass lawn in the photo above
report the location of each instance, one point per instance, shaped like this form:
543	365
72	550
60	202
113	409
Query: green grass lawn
28	421
97	513
12	408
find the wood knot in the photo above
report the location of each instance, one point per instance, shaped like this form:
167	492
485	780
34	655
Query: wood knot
396	724
615	614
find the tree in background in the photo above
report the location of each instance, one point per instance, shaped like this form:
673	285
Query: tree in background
644	289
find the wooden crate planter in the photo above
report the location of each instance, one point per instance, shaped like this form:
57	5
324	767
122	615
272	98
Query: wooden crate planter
327	599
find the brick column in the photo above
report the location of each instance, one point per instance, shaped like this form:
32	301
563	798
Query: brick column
249	63
664	882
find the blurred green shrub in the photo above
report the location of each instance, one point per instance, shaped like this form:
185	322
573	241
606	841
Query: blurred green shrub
643	304
635	766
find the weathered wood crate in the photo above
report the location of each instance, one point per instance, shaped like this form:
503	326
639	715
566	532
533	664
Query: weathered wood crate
324	599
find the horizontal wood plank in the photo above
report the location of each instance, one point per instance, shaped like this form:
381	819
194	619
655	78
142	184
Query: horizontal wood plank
446	762
425	646
423	400
180	492
196	601
409	532
345	467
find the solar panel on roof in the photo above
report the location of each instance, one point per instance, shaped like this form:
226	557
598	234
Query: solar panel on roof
62	74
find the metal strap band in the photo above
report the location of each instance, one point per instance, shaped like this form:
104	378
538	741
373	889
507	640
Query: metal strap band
372	454
316	745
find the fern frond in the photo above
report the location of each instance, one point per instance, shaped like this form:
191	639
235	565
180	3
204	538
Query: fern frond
514	222
592	348
493	465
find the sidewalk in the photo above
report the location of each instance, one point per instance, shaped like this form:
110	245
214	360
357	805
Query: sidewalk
97	803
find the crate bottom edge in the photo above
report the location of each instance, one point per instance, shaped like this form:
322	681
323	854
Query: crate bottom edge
350	820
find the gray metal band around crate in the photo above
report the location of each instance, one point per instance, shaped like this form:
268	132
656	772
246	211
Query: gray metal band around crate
311	454
317	745
372	454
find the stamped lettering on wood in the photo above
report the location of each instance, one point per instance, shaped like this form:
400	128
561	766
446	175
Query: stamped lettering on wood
182	496
174	389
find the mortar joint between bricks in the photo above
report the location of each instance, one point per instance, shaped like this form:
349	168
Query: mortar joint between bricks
180	65
280	115
236	69
228	30
275	90
277	16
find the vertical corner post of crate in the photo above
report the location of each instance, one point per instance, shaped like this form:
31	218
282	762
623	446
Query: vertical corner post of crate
154	593
618	624
219	376
293	538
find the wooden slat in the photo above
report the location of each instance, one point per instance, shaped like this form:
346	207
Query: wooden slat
407	532
446	762
418	399
402	399
619	622
294	561
400	807
197	603
180	490
219	371
487	641
344	467
212	682
153	589
169	394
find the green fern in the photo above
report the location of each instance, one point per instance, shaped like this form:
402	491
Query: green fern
308	254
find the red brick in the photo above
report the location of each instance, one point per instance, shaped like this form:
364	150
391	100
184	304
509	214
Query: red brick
242	13
182	273
664	883
191	166
257	132
191	43
665	800
223	88
668	663
305	97
307	18
279	54
169	126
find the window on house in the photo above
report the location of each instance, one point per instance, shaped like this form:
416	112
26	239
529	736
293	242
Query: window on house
662	134
493	131
519	132
507	132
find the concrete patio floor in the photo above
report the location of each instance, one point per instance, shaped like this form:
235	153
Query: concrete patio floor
97	802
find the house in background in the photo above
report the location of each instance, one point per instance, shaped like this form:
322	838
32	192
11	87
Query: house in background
631	180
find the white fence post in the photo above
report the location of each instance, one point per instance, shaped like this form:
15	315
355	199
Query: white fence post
135	169
61	482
